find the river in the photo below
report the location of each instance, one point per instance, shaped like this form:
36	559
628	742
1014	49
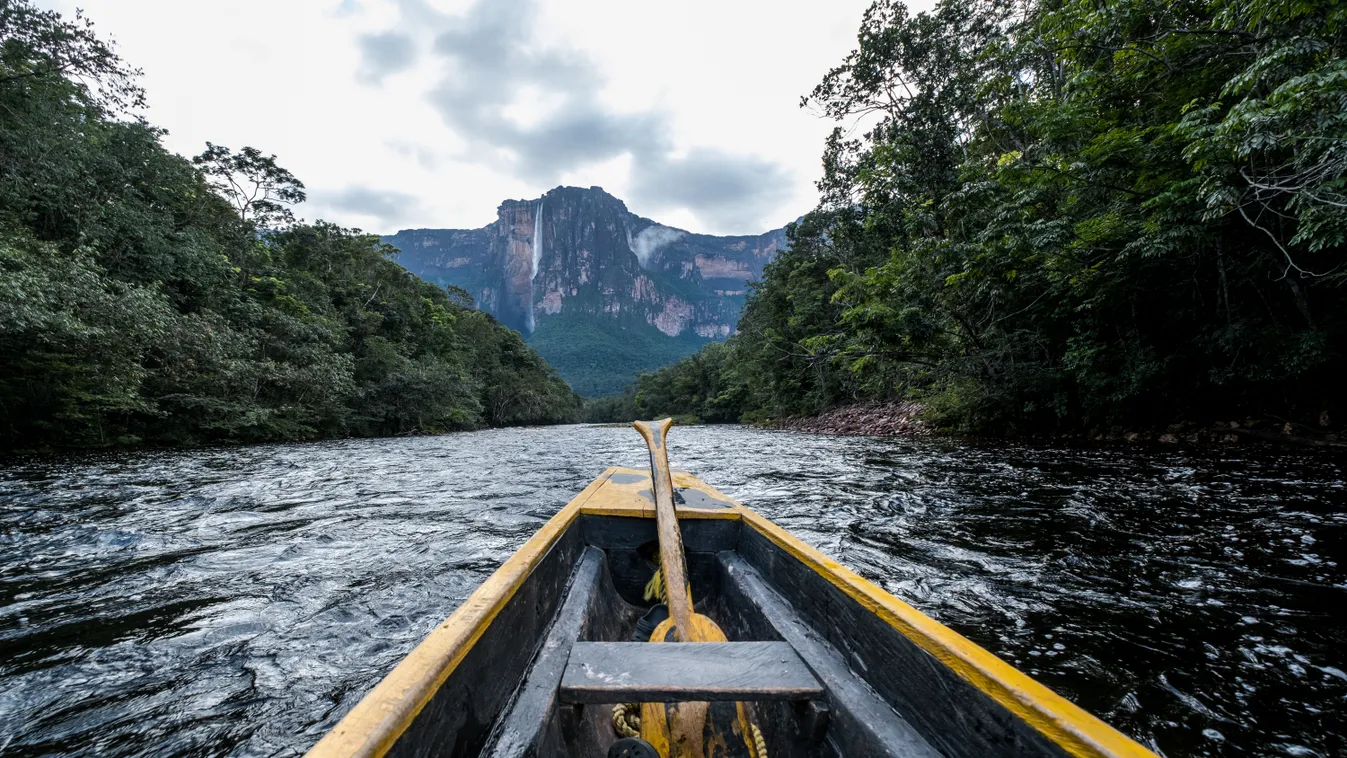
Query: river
238	601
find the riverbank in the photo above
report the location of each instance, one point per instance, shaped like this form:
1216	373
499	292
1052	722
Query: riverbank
892	419
904	419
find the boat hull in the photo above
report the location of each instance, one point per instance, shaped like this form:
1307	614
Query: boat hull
895	682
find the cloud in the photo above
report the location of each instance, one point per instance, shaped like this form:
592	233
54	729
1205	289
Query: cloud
388	208
721	189
492	66
384	54
651	239
538	113
426	157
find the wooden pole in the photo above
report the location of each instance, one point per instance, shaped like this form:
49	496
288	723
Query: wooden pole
672	560
680	730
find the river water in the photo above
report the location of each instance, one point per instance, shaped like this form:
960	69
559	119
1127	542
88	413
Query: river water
239	601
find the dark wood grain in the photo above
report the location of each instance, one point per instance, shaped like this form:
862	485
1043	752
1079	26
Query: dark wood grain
521	729
699	535
623	540
605	672
948	711
459	718
860	722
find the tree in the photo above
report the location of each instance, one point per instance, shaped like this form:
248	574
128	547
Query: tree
139	303
253	183
1065	215
38	44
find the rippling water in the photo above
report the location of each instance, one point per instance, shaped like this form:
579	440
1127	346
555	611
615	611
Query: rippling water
239	601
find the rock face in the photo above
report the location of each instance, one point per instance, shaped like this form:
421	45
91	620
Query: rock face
578	252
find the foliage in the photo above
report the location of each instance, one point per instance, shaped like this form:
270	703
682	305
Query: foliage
139	305
253	183
598	358
694	389
37	43
1064	215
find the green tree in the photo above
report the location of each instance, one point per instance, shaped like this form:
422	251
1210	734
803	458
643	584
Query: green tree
1066	216
259	189
152	299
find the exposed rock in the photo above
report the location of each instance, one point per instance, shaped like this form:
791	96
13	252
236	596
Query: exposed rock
551	302
893	419
580	251
674	318
1169	439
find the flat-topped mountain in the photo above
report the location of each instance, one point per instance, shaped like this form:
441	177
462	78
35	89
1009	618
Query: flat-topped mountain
600	292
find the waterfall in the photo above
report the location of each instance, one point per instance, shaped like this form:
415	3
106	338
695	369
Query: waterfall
537	260
537	240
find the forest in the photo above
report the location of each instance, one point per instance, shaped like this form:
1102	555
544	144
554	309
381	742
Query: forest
1058	216
147	298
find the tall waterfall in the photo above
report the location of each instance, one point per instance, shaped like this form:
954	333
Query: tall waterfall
537	260
537	240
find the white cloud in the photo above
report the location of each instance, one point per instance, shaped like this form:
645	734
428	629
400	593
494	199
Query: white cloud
651	239
428	113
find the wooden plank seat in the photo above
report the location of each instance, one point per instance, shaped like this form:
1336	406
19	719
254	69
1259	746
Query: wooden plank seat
643	672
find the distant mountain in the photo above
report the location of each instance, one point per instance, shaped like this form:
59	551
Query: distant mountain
600	292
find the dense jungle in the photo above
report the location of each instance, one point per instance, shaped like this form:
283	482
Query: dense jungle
1058	217
146	298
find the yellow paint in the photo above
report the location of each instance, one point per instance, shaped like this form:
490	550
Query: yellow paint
372	727
626	498
1057	718
376	722
658	720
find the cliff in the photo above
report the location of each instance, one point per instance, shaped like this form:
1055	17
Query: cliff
576	263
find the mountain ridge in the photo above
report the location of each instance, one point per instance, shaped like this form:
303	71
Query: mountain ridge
579	256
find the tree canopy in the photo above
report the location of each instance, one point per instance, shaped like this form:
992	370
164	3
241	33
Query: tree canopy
147	298
1060	215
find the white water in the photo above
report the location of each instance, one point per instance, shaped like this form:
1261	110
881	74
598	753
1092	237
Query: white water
239	600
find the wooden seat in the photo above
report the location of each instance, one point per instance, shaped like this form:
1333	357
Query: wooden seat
644	672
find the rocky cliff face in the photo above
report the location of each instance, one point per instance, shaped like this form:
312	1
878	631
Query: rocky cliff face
580	253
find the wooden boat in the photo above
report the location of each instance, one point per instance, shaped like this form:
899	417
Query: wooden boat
821	662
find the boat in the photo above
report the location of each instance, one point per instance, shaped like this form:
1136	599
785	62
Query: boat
581	645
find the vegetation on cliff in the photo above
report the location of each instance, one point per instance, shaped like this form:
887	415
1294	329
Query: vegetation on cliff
1062	215
599	358
148	298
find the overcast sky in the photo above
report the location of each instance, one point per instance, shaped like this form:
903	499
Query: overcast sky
427	113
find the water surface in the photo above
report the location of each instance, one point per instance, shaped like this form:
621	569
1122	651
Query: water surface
239	601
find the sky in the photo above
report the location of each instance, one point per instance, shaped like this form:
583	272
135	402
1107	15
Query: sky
428	113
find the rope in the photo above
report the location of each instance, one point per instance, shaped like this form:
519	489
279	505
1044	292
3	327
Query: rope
626	716
758	742
627	719
654	589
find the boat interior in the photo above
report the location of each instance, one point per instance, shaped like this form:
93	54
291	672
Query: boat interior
816	660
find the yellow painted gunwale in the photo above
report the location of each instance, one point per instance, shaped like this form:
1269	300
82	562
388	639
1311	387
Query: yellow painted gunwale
1064	723
376	722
